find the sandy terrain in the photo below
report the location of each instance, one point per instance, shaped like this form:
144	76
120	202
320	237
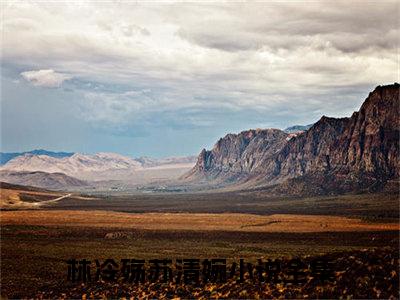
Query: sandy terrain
13	198
186	221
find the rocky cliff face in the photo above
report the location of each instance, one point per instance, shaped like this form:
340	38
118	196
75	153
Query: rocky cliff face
236	156
337	154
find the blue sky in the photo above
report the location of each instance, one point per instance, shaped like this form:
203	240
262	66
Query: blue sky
166	79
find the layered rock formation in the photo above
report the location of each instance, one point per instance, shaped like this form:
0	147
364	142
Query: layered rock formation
333	155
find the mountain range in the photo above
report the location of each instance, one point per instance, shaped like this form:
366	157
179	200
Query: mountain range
77	165
80	170
334	155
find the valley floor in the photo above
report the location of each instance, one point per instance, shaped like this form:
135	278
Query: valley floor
196	221
360	233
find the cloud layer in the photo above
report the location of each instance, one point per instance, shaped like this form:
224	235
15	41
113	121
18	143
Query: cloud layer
45	78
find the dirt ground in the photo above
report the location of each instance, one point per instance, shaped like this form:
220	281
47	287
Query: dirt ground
359	232
196	221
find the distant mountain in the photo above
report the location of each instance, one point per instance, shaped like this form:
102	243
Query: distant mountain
297	128
78	165
148	162
5	157
53	181
100	166
334	155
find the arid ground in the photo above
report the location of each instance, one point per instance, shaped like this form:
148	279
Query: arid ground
359	232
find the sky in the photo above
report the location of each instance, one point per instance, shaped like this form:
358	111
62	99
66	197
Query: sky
169	78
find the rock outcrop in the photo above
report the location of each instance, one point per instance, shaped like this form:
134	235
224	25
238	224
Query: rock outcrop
236	156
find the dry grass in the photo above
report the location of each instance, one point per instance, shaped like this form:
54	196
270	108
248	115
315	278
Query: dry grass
36	243
11	198
197	221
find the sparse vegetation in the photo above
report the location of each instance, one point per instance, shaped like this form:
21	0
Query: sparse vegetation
36	243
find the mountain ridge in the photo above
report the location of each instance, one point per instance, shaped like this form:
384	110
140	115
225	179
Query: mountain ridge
99	166
355	151
7	156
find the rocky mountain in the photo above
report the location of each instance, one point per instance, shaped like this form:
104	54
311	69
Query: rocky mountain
334	155
7	156
236	156
45	180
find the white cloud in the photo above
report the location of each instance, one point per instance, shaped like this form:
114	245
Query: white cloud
45	78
